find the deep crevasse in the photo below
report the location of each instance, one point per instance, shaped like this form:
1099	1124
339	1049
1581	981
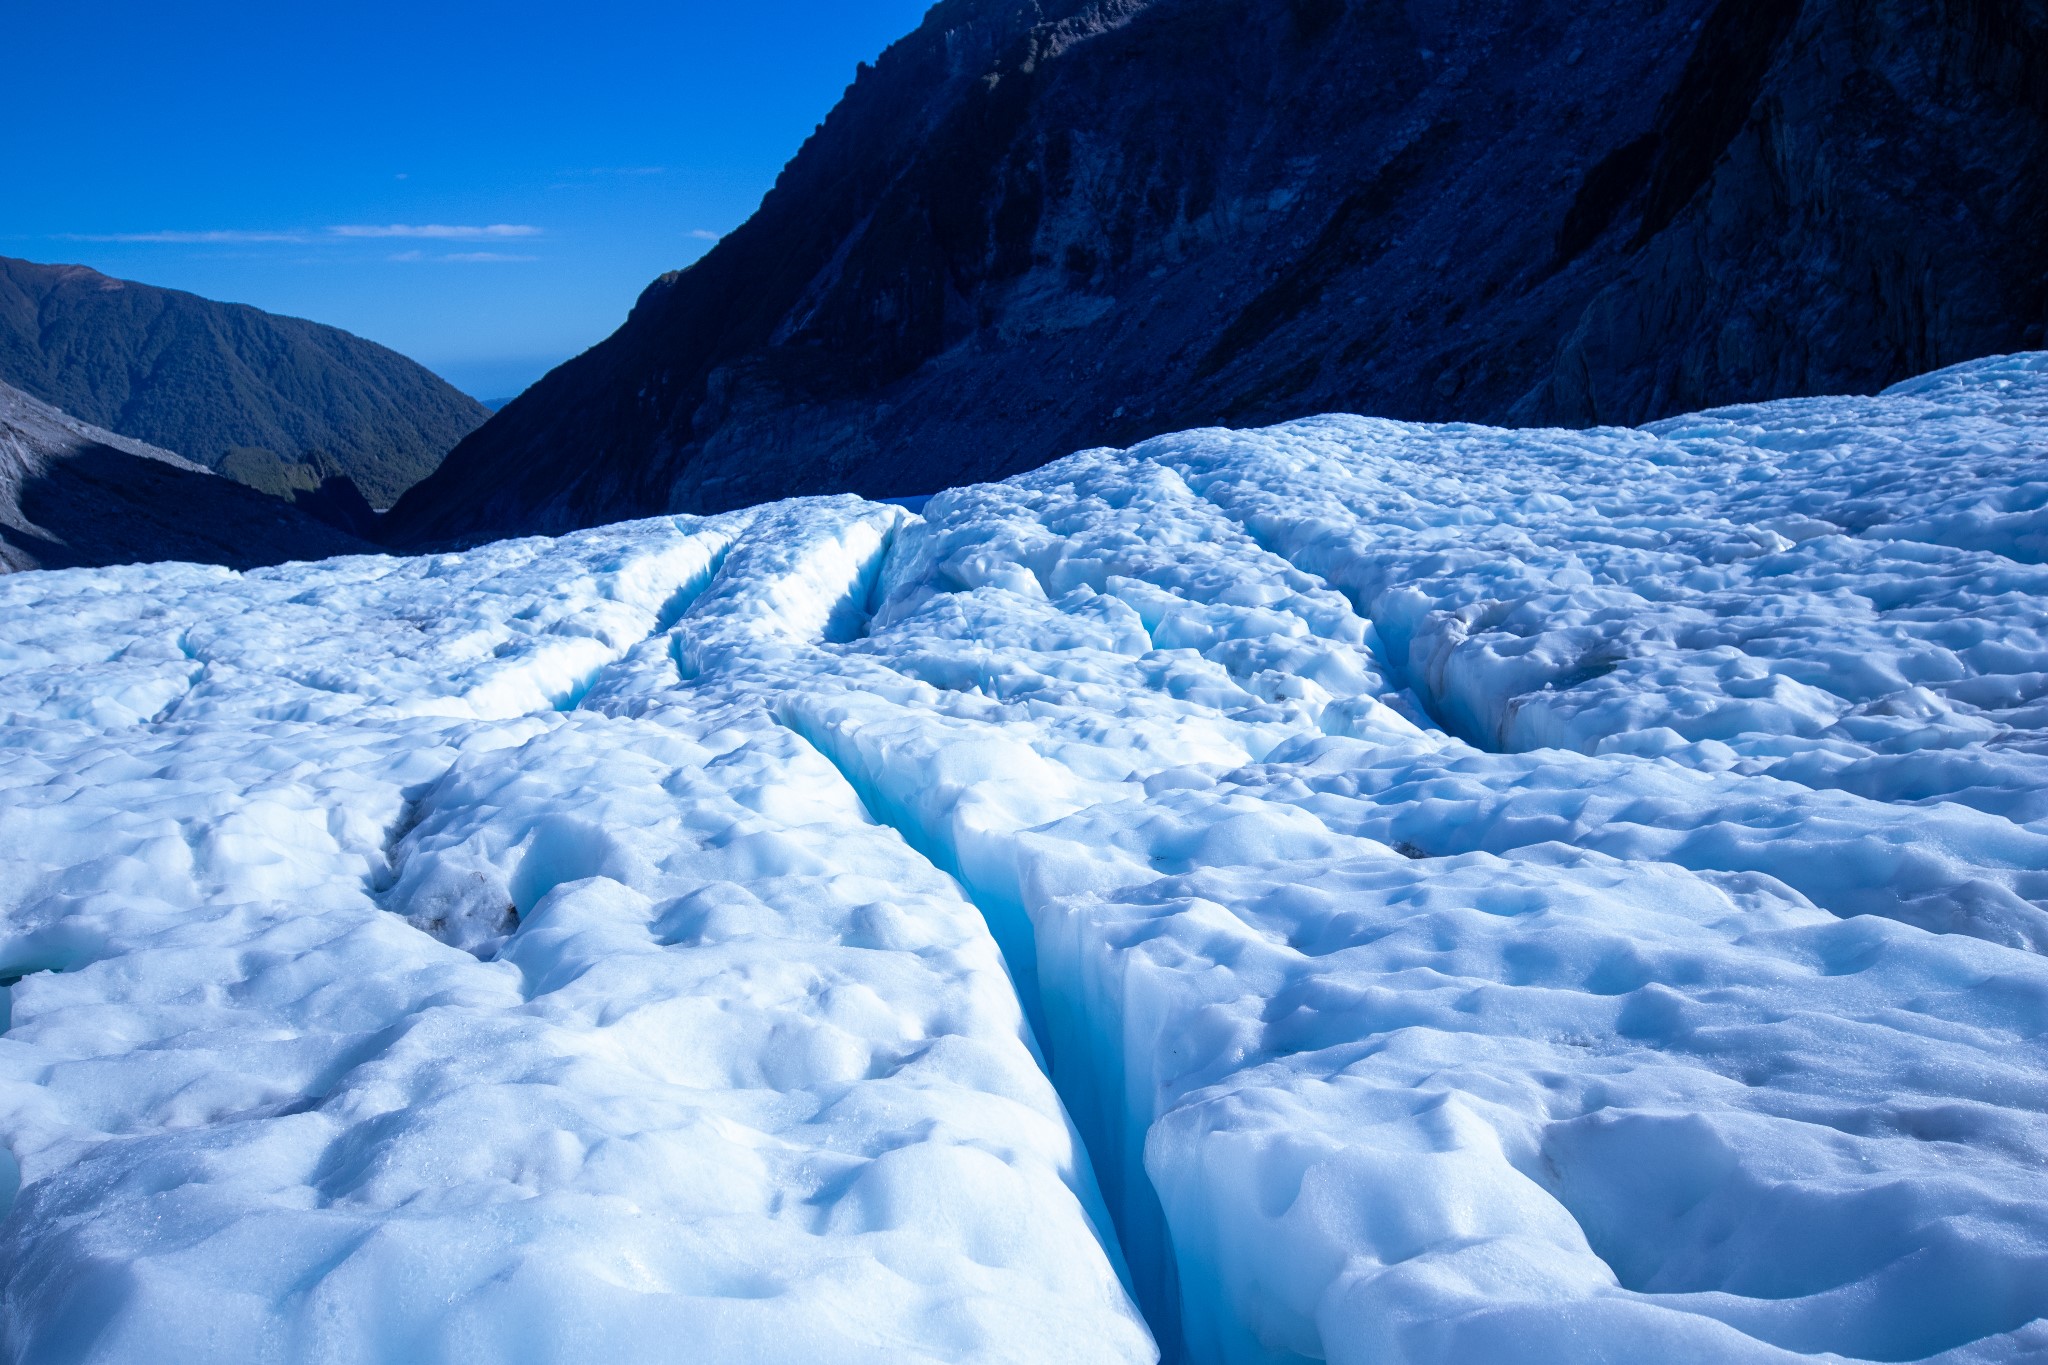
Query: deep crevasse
368	1031
1715	1032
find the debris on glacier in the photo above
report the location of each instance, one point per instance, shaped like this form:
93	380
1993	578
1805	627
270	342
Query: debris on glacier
1350	891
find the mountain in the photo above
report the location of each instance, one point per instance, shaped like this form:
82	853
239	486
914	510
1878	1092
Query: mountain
73	495
1039	225
276	402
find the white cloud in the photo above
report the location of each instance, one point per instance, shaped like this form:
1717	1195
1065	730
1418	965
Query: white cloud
460	257
704	234
440	232
437	231
220	235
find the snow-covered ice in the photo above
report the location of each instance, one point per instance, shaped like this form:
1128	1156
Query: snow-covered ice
1350	891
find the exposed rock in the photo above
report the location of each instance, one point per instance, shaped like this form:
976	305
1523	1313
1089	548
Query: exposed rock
1035	227
73	495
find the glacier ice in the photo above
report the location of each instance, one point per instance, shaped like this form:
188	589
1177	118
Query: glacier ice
1350	891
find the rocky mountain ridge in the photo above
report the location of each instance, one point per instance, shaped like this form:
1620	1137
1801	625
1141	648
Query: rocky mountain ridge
278	403
1041	225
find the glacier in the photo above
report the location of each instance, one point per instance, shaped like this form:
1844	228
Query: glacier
1349	891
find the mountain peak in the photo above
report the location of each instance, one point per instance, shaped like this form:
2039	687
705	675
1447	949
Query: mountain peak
210	379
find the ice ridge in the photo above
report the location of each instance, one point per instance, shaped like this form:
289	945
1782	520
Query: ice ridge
1350	891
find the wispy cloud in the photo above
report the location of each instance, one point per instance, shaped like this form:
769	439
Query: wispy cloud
445	232
704	234
185	238
461	257
345	232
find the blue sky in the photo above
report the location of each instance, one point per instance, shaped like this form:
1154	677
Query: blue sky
485	187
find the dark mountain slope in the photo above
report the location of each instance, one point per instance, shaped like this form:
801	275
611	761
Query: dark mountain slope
73	495
1038	225
277	402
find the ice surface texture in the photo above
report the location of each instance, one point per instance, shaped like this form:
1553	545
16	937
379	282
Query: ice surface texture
1478	895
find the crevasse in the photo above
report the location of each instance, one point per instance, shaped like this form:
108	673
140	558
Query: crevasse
1682	999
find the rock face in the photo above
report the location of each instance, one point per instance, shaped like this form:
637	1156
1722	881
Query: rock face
279	403
1033	227
74	496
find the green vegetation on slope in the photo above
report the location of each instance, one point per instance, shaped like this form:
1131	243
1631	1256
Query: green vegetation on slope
276	402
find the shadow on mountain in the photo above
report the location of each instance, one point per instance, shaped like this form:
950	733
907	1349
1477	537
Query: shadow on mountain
1036	226
73	496
105	506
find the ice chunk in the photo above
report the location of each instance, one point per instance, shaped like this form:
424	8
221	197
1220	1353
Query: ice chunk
1465	894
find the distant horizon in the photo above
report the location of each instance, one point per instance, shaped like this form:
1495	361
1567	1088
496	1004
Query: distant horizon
489	217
